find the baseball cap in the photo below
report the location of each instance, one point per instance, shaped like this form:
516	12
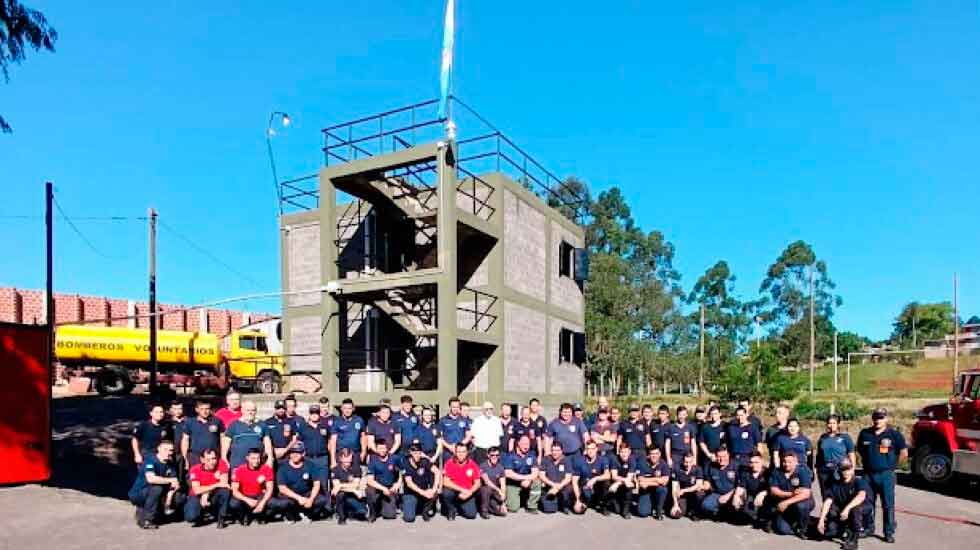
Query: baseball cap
299	447
280	404
879	413
315	408
577	407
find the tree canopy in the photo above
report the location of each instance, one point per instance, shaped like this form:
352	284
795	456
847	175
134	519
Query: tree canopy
21	29
918	322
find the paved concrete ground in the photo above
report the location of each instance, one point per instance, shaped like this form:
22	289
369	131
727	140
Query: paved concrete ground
83	507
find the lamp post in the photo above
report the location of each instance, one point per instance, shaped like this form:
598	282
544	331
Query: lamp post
269	132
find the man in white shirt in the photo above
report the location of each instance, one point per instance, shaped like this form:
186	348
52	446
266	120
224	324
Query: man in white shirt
487	432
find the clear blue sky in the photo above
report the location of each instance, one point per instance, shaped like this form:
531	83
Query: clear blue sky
733	129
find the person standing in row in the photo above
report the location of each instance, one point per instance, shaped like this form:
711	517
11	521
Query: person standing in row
659	430
487	433
201	432
569	432
455	428
315	435
406	423
793	441
833	448
743	438
683	439
711	437
507	422
526	427
882	448
633	431
232	410
774	432
381	428
282	431
604	432
148	434
428	436
244	434
348	433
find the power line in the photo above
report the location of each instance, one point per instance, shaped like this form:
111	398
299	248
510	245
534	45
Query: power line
80	234
77	218
207	253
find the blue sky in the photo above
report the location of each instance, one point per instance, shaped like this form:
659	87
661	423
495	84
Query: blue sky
735	130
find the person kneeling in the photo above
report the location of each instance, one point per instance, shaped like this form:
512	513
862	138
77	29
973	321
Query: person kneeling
493	487
209	490
556	476
252	485
845	507
590	481
348	491
790	499
723	479
621	491
156	487
750	495
383	483
688	486
423	481
461	483
299	488
652	480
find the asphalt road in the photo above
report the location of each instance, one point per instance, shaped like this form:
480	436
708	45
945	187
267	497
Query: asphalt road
83	507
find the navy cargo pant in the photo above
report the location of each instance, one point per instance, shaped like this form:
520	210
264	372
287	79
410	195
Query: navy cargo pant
595	497
796	516
452	504
379	504
414	504
150	500
562	501
712	506
217	503
291	509
348	505
651	500
855	520
240	510
882	487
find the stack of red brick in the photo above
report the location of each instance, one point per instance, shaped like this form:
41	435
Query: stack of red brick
27	306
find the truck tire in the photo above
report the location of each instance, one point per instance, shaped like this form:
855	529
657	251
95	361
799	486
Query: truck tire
268	382
113	382
933	465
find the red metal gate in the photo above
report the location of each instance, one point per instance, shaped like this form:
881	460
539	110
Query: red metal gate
25	391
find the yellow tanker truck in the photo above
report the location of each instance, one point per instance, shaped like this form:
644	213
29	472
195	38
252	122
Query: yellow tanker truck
118	358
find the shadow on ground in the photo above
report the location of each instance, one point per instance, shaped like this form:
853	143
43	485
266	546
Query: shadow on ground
963	488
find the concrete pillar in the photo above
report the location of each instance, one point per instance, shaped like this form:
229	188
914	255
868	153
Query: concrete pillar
447	291
330	316
131	313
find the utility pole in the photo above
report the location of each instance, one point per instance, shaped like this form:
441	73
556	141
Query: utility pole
812	333
956	328
49	267
701	362
153	300
835	361
915	340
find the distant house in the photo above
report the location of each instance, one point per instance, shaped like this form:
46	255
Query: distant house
969	343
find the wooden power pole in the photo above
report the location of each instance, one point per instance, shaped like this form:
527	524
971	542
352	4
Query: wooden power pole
49	270
812	333
701	361
153	299
956	329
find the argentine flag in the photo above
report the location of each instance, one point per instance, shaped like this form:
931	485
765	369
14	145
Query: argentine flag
447	57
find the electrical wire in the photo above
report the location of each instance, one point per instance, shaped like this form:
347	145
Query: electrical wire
80	234
207	253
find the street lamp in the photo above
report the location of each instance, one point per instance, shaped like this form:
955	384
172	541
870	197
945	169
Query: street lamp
269	132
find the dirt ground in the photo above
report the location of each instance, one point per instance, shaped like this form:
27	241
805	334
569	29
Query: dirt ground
84	507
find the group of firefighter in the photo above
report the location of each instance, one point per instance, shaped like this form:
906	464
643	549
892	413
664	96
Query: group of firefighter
230	467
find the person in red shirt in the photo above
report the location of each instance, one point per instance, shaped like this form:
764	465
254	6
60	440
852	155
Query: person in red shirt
208	481
232	411
251	488
461	483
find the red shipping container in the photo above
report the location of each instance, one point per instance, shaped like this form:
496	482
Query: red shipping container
25	438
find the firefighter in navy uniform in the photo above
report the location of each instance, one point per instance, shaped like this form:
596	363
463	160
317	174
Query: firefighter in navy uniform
383	482
347	489
428	436
523	481
623	487
633	431
282	431
156	489
244	434
423	482
454	428
752	491
743	439
148	434
590	480
200	433
722	476
687	482
881	448
556	480
790	498
406	422
845	506
683	439
382	428
652	481
315	435
711	437
176	424
348	433
299	488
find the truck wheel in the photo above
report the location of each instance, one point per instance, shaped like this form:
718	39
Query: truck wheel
113	382
268	382
935	466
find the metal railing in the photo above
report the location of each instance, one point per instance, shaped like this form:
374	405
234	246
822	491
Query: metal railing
299	195
382	133
480	310
479	207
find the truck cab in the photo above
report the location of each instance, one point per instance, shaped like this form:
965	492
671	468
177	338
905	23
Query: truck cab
249	361
946	436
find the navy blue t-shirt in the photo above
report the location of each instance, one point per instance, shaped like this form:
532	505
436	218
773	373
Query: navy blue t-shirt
385	471
315	438
554	470
753	485
204	434
621	467
530	430
723	480
244	437
634	434
568	434
454	428
406	424
801	478
879	452
299	480
427	437
521	465
382	431
150	465
831	449
176	430
508	428
341	475
659	434
713	436
644	468
149	435
281	431
843	493
682	438
421	473
348	432
586	470
743	440
493	472
799	446
684	477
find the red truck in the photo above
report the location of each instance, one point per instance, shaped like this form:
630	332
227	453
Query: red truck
946	436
